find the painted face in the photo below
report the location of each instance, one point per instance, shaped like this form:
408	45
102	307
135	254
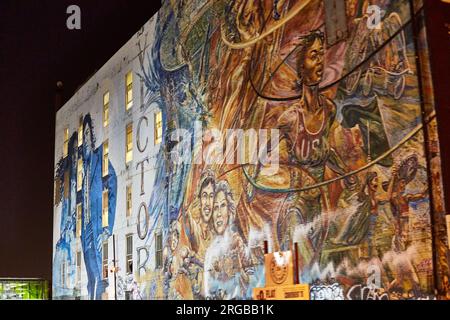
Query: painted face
206	202
411	164
87	138
373	184
351	183
220	213
174	241
313	64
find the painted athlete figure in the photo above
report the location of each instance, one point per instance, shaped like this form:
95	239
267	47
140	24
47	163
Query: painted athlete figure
306	124
305	128
304	149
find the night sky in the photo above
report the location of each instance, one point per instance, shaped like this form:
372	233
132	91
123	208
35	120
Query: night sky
36	51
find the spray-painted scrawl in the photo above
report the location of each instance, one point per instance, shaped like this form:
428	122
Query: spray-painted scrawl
351	184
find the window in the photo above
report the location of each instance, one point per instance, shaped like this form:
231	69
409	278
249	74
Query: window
129	143
78	226
79	174
129	203
66	142
105	260
64	277
105	209
129	254
105	158
128	90
78	266
106	109
158	127
159	251
80	132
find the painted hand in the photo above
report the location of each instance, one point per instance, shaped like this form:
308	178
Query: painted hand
102	238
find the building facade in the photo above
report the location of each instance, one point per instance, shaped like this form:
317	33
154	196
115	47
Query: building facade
23	289
224	124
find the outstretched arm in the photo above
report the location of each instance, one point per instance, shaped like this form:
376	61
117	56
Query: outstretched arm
192	228
111	186
335	162
417	196
249	18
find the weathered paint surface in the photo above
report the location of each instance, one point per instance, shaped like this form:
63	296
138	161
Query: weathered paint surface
356	167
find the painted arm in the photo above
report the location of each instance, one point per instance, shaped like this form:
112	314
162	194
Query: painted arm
382	199
417	196
390	191
279	146
286	123
335	162
192	229
249	18
111	185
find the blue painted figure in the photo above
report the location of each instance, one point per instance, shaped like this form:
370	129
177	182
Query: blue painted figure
64	259
95	228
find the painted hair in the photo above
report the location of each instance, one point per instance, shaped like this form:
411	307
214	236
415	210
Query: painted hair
73	145
306	42
206	179
65	165
223	186
87	121
371	175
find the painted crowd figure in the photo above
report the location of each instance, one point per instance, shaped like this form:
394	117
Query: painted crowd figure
213	255
95	231
227	260
401	199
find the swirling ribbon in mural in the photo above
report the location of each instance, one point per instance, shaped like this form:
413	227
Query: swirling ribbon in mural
273	28
359	65
411	134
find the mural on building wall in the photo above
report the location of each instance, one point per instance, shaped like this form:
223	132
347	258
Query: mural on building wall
350	184
268	65
94	227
